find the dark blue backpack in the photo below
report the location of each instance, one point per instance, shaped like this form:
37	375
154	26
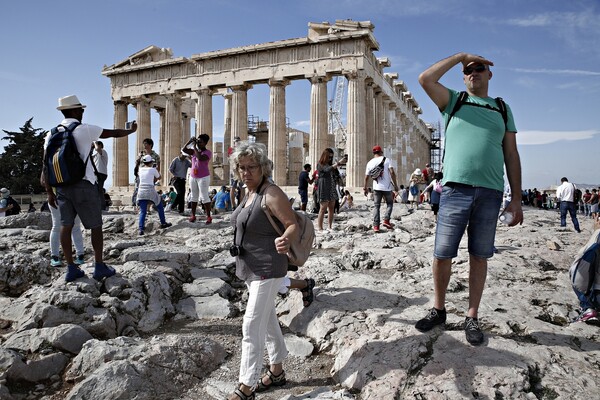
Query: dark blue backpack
62	162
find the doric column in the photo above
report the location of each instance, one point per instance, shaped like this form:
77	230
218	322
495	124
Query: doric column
172	134
385	132
356	143
239	111
318	134
371	136
142	106
120	148
186	130
161	136
378	115
227	138
278	131
204	122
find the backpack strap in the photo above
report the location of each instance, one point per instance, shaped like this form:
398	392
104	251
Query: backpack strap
267	210
462	99
503	110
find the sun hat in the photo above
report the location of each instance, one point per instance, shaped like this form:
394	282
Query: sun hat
147	159
417	171
377	149
5	191
69	102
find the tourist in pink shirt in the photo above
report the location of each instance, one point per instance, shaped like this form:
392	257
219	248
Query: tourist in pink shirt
199	174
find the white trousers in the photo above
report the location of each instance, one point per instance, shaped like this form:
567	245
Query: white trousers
76	235
261	325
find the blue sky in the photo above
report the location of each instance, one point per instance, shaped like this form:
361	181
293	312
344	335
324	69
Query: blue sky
546	55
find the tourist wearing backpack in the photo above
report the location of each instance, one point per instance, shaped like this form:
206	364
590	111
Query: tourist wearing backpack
384	184
480	141
585	278
565	193
262	262
12	206
79	198
4	206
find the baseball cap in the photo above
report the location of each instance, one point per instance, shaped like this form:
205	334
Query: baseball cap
377	149
147	158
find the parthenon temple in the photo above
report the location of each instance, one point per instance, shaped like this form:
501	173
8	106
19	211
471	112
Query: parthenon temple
380	108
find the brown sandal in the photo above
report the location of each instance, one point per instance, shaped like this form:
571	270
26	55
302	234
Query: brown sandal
244	396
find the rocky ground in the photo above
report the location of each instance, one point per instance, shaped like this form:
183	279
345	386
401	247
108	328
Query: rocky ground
168	326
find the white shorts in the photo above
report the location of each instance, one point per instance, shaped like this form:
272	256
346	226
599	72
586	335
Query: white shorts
200	189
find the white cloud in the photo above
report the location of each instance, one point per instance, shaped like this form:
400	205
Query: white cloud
547	137
556	71
299	124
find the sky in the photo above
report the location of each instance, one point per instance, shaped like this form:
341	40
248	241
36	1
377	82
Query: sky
546	56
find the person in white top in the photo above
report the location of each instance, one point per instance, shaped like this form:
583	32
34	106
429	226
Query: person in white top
565	193
100	158
383	187
81	198
147	193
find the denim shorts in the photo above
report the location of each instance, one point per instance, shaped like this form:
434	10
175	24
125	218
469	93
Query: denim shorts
83	199
303	196
473	208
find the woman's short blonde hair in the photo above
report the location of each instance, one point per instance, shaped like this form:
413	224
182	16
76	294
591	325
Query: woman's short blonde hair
257	152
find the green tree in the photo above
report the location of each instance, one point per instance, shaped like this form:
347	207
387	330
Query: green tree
21	162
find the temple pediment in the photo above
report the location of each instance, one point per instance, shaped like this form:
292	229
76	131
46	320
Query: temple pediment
150	54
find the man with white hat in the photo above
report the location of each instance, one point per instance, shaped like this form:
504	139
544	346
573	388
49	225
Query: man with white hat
479	142
81	198
4	206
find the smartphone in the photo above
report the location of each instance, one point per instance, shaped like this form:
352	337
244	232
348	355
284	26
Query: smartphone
129	124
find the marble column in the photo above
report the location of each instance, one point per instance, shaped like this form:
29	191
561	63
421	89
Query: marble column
142	105
204	122
227	138
370	114
378	115
120	148
356	142
172	135
318	133
186	131
278	131
161	137
385	111
239	111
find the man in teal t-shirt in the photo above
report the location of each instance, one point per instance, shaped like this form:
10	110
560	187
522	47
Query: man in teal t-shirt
478	144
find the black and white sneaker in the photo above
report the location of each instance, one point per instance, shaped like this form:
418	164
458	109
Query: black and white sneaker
433	318
472	331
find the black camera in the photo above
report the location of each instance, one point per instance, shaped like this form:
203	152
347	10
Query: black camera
236	250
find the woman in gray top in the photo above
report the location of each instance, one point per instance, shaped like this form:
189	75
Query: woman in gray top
326	186
261	261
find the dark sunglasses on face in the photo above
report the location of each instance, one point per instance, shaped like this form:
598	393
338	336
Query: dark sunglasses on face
477	68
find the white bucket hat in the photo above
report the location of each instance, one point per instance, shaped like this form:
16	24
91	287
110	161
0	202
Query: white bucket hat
5	191
417	171
69	102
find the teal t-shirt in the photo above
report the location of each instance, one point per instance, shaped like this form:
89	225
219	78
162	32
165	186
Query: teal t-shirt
473	143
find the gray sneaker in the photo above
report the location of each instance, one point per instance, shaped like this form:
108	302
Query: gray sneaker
472	331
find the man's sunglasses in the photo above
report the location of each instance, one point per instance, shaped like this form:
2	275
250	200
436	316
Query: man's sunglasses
477	68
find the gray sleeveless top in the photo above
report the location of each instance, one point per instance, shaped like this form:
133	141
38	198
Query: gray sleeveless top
259	259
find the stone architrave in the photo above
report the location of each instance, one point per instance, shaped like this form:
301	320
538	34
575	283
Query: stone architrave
204	121
239	111
120	147
172	135
356	140
278	131
318	134
143	119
